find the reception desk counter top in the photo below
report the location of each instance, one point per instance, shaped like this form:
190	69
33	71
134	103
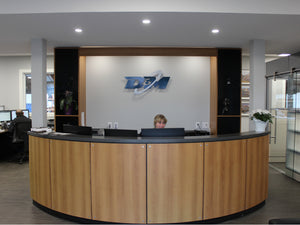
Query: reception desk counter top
147	140
148	180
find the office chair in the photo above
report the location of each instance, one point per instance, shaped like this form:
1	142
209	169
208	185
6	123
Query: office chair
20	139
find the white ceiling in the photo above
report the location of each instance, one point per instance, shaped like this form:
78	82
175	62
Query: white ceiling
182	23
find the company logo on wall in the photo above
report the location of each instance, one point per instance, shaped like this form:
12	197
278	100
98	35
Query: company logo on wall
147	82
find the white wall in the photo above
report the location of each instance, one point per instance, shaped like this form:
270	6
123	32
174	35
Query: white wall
185	101
10	67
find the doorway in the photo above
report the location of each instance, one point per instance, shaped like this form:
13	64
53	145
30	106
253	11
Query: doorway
283	100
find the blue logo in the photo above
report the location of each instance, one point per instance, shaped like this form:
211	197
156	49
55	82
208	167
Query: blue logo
147	82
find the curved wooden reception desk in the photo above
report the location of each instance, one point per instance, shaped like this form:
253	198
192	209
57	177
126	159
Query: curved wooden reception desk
148	180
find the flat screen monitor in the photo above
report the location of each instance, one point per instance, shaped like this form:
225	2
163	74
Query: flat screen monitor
5	116
14	113
162	132
26	112
120	133
73	129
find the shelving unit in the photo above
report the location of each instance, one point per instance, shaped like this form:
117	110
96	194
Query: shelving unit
66	87
229	91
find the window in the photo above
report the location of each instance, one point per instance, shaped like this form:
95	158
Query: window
50	94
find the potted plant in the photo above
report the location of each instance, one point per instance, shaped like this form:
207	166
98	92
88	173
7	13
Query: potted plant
67	103
261	119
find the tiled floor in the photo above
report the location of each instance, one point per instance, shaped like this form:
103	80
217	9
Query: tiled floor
15	201
16	205
283	201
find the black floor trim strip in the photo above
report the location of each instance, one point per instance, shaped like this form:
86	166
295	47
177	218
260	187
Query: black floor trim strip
88	221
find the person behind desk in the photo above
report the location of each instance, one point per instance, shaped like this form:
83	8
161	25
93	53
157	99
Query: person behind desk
160	121
20	118
11	129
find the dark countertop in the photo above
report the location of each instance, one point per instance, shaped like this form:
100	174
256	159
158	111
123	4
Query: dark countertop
148	140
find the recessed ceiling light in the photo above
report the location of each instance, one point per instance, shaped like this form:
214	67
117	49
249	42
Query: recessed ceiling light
284	54
78	30
215	31
146	21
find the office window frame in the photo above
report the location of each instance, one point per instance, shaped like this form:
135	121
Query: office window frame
22	89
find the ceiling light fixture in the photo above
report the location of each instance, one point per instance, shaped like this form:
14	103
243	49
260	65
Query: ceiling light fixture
78	30
284	54
215	31
146	21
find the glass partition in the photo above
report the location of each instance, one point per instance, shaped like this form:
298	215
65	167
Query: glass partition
284	104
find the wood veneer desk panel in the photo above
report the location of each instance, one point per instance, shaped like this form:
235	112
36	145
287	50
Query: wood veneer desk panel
119	182
175	182
39	170
70	166
149	180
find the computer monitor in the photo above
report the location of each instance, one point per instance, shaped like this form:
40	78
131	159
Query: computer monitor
73	129
26	112
14	113
5	116
162	132
120	133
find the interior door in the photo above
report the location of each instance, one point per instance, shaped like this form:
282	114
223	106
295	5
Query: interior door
284	103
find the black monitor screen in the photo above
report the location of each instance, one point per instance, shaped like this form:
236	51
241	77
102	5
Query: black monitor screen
163	132
82	130
120	133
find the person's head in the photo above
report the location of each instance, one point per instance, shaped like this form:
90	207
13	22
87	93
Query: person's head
160	121
19	112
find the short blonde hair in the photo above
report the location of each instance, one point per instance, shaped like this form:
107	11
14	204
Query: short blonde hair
160	118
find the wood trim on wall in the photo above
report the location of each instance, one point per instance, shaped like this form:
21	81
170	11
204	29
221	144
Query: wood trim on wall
213	94
82	89
147	51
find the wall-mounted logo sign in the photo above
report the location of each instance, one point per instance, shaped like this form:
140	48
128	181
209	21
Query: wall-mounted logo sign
147	82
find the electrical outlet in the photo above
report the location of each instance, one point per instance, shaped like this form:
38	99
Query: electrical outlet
197	125
109	125
116	125
205	125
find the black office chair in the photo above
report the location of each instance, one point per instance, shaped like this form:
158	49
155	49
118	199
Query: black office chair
20	139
